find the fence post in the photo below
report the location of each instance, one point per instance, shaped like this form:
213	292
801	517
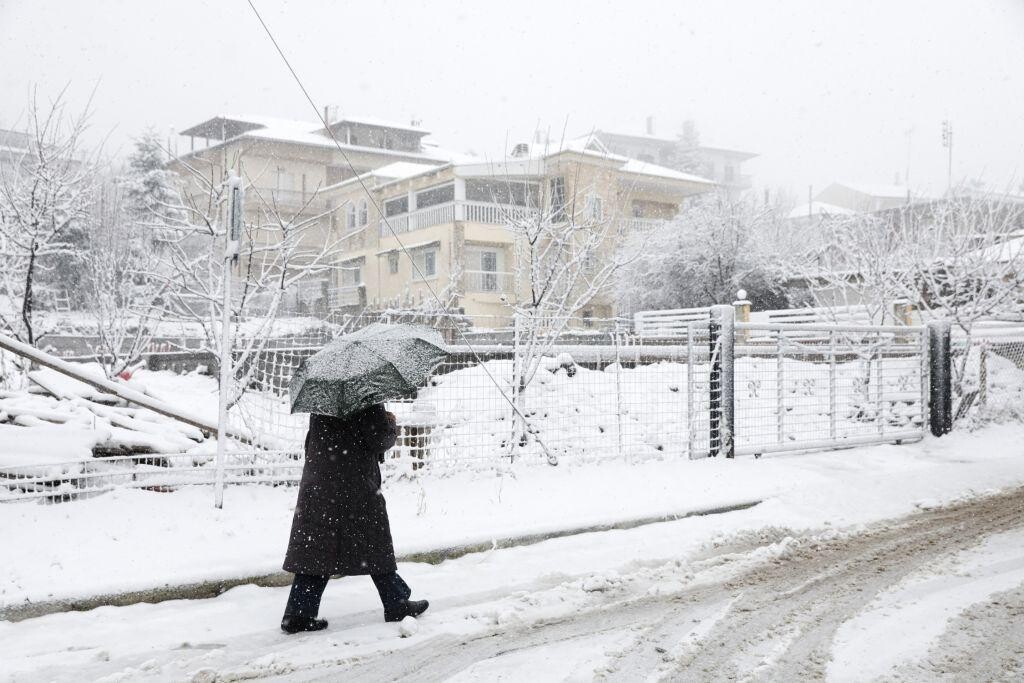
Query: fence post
721	343
940	384
742	306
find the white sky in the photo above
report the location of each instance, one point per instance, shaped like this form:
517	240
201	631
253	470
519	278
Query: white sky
822	90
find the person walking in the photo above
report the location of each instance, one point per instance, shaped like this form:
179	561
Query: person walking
341	522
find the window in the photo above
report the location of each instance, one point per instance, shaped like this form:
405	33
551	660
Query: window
351	274
489	261
489	270
557	186
594	208
638	210
512	192
393	262
285	180
588	318
426	263
350	216
397	206
435	196
364	216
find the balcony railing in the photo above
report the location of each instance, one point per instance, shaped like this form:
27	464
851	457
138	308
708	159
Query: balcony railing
480	212
495	214
643	224
474	212
487	281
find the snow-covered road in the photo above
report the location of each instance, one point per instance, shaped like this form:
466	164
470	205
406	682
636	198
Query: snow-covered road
935	593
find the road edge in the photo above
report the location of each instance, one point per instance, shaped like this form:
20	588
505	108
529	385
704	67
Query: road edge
214	587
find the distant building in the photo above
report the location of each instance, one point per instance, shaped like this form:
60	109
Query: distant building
860	198
13	145
720	164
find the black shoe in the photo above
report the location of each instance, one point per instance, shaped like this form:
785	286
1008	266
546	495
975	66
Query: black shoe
406	608
299	624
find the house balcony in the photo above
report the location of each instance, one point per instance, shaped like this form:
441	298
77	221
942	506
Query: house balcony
484	213
487	281
449	212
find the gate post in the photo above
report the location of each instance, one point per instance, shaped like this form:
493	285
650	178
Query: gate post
721	343
940	385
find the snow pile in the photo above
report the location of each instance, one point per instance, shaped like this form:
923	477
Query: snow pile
137	539
645	412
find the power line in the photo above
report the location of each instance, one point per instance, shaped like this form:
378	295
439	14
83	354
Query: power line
384	219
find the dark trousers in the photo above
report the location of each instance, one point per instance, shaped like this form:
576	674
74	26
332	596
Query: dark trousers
307	589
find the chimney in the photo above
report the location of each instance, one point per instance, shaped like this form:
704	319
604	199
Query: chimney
650	125
521	150
327	115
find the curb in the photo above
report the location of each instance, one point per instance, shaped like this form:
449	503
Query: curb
213	588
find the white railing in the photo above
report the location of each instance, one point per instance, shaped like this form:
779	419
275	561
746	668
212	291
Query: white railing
495	214
472	212
835	315
643	224
668	323
487	281
421	218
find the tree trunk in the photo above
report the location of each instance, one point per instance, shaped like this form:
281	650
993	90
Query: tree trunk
27	299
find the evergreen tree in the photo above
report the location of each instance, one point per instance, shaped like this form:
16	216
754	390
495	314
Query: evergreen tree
689	156
149	187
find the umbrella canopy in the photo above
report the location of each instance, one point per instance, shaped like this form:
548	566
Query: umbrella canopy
375	364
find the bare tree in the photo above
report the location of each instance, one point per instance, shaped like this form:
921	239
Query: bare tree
46	192
713	248
279	248
565	260
960	259
122	293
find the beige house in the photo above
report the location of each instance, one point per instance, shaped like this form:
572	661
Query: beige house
452	221
288	164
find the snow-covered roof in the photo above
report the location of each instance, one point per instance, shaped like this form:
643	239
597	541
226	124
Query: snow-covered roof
311	133
398	170
819	209
380	123
592	145
1004	252
645	168
881	191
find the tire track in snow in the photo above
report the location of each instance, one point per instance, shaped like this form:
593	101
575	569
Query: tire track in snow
782	607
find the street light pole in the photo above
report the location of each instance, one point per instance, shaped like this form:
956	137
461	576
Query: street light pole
232	238
947	142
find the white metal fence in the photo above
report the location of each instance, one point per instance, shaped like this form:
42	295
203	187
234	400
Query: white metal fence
588	394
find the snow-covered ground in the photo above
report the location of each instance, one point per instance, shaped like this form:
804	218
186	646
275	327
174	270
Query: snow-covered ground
134	539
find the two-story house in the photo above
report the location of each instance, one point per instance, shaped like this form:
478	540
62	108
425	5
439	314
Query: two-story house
453	222
288	164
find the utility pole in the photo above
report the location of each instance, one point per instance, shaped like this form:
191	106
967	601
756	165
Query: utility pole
232	238
947	142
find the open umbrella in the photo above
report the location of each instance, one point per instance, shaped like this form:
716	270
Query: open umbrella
375	364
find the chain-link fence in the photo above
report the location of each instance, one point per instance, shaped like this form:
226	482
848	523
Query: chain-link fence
988	374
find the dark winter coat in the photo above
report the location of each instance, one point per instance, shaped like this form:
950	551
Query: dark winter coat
341	522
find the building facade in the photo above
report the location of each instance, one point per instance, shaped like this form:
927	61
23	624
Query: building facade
447	236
